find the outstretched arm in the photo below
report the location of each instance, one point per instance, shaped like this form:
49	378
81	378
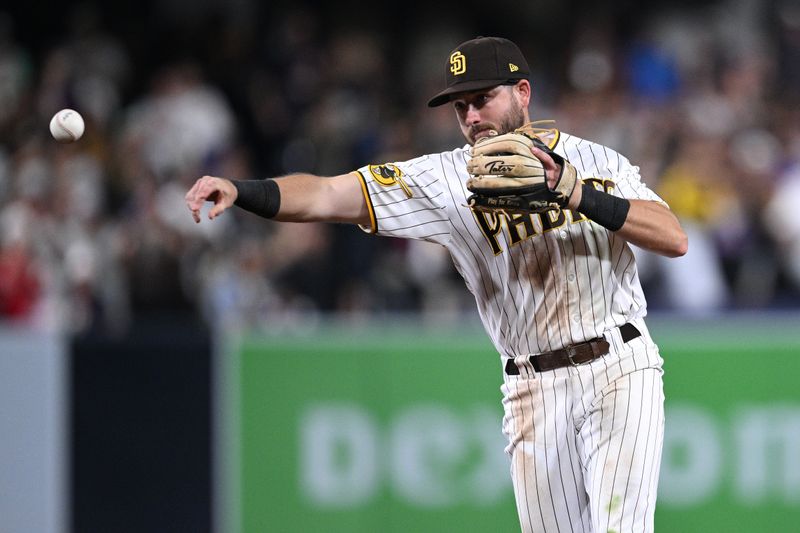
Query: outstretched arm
303	198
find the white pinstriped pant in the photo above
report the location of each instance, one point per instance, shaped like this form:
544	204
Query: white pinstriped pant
585	441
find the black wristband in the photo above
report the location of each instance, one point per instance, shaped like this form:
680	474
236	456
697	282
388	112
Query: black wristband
606	209
262	197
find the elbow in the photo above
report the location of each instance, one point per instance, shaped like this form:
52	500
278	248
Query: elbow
678	240
680	245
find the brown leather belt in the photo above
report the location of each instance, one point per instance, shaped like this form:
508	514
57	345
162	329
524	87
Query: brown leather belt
574	355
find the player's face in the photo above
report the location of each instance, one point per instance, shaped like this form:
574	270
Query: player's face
479	112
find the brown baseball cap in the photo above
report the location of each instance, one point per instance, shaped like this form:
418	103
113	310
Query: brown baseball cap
481	63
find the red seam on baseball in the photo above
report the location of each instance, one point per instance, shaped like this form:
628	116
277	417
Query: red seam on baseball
66	130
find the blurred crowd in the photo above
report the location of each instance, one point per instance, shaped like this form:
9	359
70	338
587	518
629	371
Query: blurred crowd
95	234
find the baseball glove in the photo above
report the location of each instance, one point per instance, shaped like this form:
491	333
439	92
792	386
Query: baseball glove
507	177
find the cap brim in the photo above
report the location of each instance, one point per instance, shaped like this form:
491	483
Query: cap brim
475	85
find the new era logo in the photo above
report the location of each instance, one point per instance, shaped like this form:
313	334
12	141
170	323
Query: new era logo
512	67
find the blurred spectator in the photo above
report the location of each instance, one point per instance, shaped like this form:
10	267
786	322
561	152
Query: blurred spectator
781	224
696	187
15	78
19	282
95	234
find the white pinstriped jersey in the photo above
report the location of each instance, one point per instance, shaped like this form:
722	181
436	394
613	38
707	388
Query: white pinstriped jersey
541	282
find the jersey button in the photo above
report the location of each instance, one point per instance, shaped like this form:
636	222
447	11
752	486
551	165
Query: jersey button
576	318
570	277
563	234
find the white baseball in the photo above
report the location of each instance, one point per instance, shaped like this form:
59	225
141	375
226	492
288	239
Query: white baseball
67	126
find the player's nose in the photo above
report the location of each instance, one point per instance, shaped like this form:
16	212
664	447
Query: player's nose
473	115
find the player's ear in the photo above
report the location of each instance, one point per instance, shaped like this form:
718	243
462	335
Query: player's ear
523	91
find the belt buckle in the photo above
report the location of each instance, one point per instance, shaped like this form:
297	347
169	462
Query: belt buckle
571	351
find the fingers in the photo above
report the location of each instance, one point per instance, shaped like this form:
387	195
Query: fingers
207	188
216	211
194	201
552	169
544	157
195	197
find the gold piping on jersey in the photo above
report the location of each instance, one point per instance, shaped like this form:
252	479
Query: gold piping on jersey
556	138
372	220
388	175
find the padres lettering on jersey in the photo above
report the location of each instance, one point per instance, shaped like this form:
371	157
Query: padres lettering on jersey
530	275
522	227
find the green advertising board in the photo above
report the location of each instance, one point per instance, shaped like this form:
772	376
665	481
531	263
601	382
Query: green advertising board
396	428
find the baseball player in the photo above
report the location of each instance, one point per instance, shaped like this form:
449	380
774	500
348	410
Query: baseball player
539	223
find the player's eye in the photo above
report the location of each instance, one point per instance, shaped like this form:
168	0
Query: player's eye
459	106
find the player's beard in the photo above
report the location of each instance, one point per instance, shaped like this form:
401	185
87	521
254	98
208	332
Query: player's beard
513	119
